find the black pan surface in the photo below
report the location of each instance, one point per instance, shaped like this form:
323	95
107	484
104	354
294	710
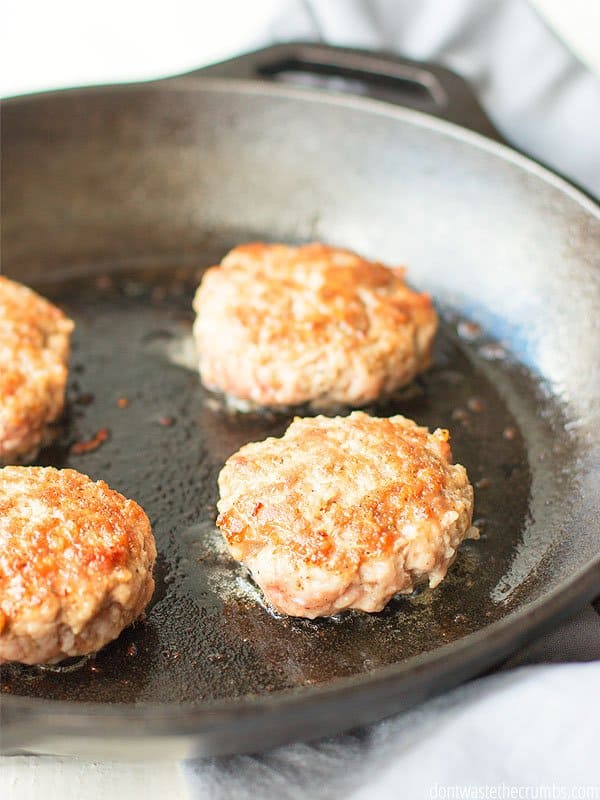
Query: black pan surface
211	669
207	635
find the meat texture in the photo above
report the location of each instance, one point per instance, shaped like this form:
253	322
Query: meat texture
345	512
279	325
76	563
34	351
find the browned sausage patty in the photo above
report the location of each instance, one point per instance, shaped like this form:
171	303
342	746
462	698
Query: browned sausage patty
76	564
345	512
280	325
34	350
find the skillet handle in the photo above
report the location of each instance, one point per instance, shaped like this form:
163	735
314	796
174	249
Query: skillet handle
425	87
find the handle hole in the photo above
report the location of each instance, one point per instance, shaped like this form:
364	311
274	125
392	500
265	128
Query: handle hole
345	79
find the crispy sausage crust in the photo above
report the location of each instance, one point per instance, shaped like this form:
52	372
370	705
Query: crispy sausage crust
280	325
34	350
344	512
76	564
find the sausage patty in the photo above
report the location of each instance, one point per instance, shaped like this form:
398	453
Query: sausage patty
34	350
345	512
280	325
76	564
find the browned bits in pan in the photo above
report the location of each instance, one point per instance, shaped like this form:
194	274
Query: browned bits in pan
158	294
475	404
483	483
492	352
122	402
84	399
166	421
468	330
104	282
177	289
510	433
89	445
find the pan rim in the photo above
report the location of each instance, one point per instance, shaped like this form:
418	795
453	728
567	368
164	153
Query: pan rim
470	654
191	83
181	718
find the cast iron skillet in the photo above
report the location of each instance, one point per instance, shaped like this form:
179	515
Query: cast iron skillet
113	200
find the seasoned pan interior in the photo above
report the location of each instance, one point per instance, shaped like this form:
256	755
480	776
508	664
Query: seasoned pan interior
207	635
112	201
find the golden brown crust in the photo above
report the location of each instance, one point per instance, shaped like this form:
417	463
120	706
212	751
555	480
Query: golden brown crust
281	325
317	514
34	351
76	563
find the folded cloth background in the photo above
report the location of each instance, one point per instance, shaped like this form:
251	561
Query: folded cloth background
521	729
